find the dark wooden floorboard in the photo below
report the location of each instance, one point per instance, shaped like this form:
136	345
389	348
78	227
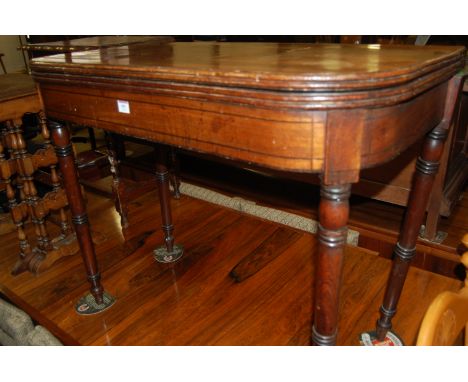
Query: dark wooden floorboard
377	222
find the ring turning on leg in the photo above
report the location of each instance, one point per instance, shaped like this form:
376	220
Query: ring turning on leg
333	216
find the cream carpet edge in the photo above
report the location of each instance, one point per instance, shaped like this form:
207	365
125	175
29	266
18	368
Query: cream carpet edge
251	208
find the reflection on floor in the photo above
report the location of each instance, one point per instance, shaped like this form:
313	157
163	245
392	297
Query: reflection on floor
197	301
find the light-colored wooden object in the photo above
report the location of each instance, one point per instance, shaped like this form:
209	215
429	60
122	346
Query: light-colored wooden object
447	316
18	95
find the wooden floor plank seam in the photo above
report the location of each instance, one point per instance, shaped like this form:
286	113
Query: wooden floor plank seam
196	301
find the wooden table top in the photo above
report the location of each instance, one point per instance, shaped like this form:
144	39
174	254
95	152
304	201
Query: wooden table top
89	43
265	65
284	106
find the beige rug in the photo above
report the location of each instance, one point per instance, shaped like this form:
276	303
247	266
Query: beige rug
17	329
250	207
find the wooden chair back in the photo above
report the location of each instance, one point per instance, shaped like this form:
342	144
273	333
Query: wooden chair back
447	316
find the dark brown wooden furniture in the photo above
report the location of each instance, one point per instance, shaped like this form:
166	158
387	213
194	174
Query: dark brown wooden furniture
392	182
328	109
88	43
18	95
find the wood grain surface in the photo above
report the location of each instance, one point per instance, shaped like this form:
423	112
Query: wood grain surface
333	109
18	95
89	43
263	65
196	301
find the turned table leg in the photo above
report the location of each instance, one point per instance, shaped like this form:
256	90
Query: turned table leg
98	300
169	252
332	233
426	169
427	166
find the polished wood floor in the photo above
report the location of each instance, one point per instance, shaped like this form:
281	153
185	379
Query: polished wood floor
377	222
195	301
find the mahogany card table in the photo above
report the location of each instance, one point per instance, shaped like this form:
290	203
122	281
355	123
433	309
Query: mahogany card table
310	108
88	43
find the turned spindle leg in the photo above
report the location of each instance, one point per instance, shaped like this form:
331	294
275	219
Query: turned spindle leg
426	169
56	185
169	252
332	233
25	172
427	166
98	300
19	215
113	155
18	212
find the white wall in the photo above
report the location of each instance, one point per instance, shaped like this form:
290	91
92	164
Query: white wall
13	58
